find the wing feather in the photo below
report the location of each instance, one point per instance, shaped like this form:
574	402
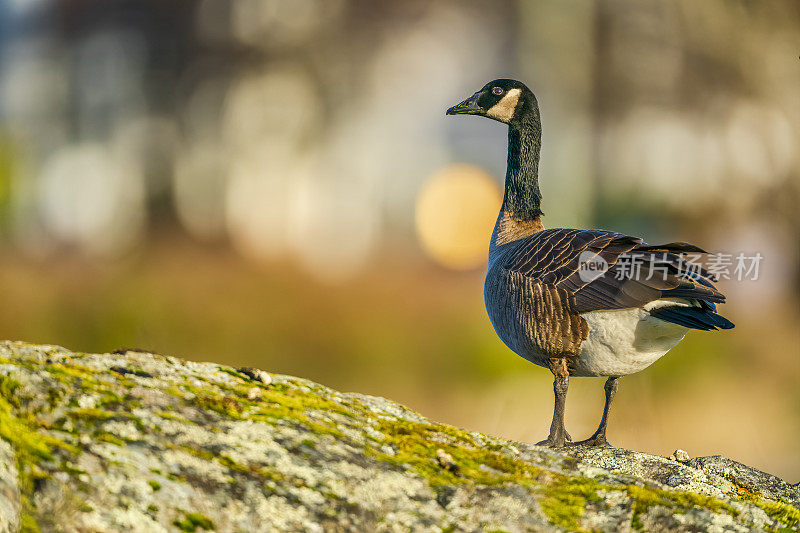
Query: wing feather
554	256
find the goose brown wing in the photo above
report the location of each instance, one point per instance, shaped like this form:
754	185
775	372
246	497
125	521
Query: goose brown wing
637	273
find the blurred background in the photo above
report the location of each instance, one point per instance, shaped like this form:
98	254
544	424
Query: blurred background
273	183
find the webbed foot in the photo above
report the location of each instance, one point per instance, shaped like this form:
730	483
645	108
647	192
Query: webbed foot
596	440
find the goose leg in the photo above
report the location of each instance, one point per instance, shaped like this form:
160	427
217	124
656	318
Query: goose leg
558	434
599	437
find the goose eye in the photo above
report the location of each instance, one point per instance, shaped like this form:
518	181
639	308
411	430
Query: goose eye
497	91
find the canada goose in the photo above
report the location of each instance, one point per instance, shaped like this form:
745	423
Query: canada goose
546	303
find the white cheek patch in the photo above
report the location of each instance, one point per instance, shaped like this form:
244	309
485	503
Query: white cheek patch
504	109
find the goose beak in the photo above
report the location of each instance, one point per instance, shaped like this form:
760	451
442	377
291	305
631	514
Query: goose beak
467	107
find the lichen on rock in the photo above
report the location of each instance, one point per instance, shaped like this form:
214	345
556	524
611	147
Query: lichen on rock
143	442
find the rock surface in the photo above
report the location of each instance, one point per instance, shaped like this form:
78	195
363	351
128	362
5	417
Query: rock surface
143	442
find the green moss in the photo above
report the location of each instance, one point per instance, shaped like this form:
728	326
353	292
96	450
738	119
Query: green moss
91	414
67	374
8	389
643	499
565	498
111	399
297	398
28	523
687	500
109	438
297	407
781	512
321	429
155	485
778	511
172	416
232	372
175	391
219	403
30	449
192	521
71	469
278	402
679	502
416	444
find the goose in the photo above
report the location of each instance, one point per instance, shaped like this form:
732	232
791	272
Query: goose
568	299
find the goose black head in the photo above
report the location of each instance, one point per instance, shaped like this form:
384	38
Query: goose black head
507	101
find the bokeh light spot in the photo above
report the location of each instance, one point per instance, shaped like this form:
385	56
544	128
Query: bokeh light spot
455	212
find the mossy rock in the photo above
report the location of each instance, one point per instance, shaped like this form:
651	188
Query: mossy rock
143	442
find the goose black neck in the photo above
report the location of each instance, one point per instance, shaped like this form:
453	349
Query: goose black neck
522	198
